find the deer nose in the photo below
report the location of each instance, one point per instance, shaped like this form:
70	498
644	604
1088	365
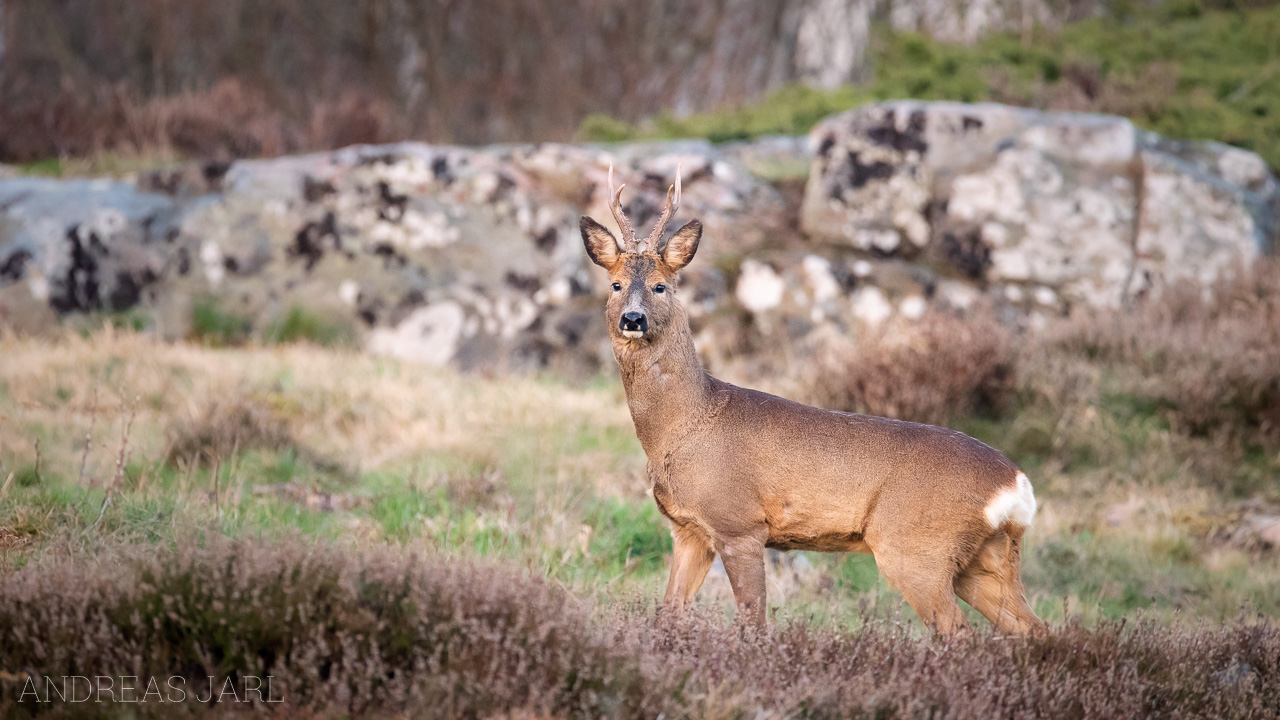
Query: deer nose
633	322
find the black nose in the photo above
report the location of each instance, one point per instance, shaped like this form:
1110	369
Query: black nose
634	321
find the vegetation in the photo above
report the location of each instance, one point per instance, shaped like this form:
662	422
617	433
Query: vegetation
1176	69
392	538
212	325
343	631
300	324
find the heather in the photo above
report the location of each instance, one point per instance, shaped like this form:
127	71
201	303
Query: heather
389	632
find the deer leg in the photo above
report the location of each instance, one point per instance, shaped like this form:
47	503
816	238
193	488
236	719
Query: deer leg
992	584
744	563
691	558
927	589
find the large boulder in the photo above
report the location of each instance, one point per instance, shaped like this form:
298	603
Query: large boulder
469	256
1085	206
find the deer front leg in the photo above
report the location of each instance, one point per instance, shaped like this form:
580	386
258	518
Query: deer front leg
744	562
691	558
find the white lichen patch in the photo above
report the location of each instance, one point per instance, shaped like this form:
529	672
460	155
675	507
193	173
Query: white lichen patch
871	306
429	335
760	288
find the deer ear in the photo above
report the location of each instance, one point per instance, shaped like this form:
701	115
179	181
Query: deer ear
682	246
600	243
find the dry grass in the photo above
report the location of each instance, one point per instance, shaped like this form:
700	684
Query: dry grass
224	428
1208	356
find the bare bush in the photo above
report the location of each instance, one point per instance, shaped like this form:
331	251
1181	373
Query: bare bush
223	427
1209	356
939	368
385	632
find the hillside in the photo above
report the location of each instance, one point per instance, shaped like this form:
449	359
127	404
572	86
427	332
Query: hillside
1179	69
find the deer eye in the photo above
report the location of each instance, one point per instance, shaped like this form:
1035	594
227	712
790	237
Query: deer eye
659	288
617	287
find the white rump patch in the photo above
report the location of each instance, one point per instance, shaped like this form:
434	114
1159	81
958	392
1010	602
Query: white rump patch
1016	505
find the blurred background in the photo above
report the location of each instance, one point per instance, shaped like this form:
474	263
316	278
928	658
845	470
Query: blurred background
235	79
286	269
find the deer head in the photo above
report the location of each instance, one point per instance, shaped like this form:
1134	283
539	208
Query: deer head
642	272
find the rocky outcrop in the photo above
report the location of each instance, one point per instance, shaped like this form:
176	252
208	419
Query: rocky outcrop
471	256
1086	208
437	254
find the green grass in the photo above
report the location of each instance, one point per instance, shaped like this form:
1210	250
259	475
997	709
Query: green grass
101	163
212	325
1178	70
300	324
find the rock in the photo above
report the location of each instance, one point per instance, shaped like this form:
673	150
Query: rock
1082	206
471	257
1194	223
1266	529
759	288
870	306
466	256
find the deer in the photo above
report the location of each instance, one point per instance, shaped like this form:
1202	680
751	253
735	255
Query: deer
737	471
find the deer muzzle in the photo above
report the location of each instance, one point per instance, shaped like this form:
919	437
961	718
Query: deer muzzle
633	324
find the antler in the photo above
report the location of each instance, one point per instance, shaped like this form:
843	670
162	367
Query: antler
627	243
655	237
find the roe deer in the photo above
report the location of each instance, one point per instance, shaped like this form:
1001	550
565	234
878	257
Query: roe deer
737	471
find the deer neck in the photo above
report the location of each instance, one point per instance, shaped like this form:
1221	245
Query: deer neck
667	387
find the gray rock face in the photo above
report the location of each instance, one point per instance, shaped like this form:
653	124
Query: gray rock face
471	256
1085	206
436	254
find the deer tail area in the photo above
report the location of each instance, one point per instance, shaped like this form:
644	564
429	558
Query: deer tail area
1015	506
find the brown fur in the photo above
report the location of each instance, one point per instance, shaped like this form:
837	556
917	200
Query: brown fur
738	470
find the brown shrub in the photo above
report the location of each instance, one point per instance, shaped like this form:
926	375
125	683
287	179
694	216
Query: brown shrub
939	368
225	122
1209	356
385	632
224	427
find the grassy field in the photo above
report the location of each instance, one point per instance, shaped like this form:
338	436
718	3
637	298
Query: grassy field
122	457
335	446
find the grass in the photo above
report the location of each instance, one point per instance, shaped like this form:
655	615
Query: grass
408	500
1177	69
101	163
260	442
300	324
212	325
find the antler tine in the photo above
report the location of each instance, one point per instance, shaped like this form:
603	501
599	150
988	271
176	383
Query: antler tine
626	243
655	237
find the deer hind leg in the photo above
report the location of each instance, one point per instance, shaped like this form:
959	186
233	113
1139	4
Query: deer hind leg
691	558
992	584
926	586
744	563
